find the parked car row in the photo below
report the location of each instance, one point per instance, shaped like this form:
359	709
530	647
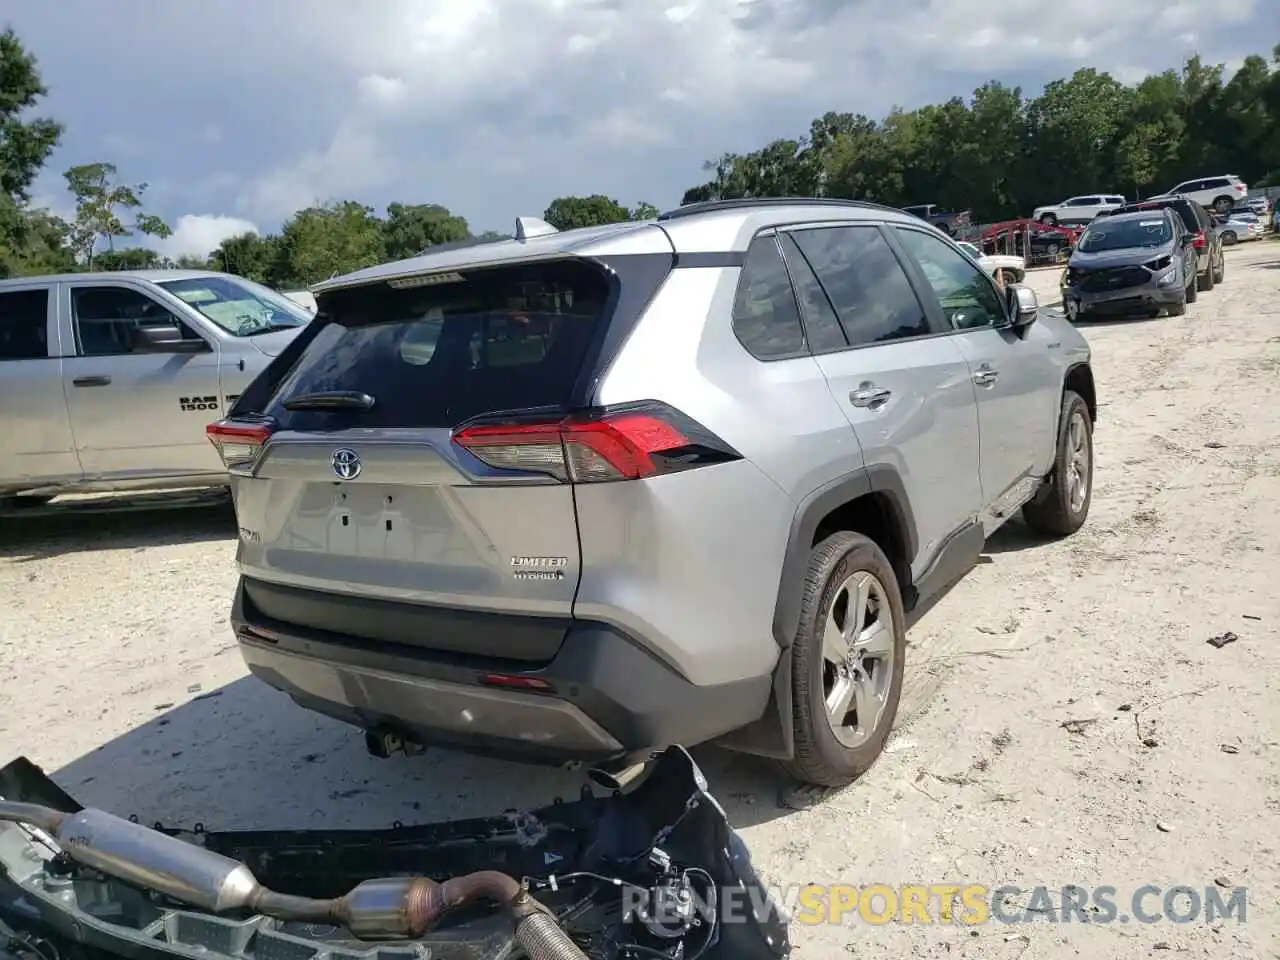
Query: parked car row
1222	194
1144	259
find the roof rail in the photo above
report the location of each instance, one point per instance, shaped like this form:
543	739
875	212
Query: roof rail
529	227
747	203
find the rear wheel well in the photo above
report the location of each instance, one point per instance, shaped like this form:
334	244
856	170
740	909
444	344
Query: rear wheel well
875	516
1080	380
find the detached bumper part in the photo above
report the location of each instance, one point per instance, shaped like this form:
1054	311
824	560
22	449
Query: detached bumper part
49	898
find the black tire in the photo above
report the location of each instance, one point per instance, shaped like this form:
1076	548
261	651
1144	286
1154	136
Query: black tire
1205	281
1223	204
1179	308
1051	512
1049	219
1219	274
1228	237
820	758
1194	287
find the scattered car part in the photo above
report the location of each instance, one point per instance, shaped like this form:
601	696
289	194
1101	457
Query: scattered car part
616	877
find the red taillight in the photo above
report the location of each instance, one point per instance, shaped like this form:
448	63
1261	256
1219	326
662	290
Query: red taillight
238	443
618	445
1240	188
514	681
1198	243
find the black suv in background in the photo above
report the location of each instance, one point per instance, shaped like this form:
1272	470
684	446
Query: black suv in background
1210	265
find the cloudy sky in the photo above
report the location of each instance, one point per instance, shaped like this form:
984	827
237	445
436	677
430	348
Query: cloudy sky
238	112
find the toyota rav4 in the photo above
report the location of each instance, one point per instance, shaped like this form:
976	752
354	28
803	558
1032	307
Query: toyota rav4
574	496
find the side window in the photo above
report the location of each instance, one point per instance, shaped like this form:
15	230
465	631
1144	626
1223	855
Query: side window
766	320
1090	201
968	297
24	325
820	321
867	286
107	320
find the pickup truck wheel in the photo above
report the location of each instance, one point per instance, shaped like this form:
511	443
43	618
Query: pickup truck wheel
1049	219
847	661
1223	204
1062	504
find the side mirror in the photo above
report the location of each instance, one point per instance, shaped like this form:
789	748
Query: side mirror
1023	306
166	338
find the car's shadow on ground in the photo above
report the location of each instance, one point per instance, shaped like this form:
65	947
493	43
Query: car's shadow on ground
246	756
1013	537
121	522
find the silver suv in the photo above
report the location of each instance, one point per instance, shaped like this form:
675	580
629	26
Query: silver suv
573	496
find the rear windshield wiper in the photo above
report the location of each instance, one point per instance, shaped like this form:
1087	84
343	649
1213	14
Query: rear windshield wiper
331	400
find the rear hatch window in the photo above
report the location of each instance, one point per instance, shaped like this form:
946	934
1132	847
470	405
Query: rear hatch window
438	354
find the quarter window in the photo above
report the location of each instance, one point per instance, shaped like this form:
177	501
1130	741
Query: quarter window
865	283
24	325
967	295
766	320
820	321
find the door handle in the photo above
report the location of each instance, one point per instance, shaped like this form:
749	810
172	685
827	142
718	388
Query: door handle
984	378
868	396
99	381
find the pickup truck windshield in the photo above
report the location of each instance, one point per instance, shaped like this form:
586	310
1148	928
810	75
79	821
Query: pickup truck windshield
1112	234
241	307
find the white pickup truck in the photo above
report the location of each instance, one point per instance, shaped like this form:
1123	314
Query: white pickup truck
108	380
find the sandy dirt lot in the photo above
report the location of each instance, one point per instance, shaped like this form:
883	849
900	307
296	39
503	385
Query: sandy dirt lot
1066	721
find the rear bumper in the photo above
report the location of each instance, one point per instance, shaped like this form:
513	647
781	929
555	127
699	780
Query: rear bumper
610	698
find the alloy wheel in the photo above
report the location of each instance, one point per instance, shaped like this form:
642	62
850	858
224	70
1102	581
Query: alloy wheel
857	658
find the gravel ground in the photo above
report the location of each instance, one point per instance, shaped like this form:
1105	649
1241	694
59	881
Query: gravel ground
1066	719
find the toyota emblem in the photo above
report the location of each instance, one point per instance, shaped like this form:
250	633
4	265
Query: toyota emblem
346	463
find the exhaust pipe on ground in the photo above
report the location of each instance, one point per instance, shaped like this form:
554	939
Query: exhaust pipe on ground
392	908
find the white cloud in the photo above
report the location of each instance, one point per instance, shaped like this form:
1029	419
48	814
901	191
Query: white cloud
199	234
377	90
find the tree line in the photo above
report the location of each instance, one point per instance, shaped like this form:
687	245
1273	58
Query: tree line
997	153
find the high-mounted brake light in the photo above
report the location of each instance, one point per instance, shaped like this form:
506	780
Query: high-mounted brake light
239	444
643	440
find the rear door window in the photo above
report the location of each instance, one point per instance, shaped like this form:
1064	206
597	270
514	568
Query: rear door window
435	355
1090	201
866	284
24	325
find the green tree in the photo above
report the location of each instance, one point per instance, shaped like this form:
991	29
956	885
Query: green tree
409	229
100	202
644	211
569	213
29	239
248	255
325	241
131	258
